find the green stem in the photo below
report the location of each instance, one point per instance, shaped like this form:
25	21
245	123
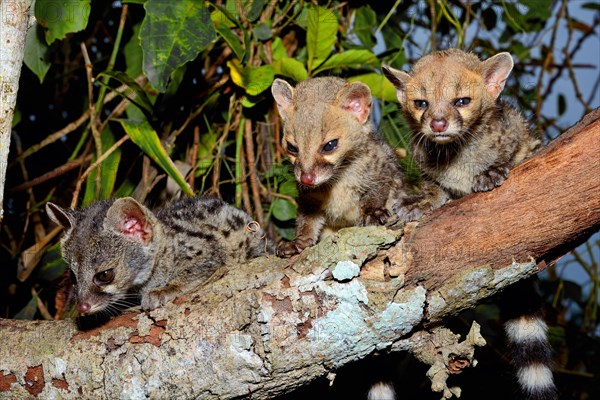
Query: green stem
239	141
113	58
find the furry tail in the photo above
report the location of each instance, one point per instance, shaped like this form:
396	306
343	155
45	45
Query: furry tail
530	352
382	391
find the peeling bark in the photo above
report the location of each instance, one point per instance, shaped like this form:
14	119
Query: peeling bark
271	325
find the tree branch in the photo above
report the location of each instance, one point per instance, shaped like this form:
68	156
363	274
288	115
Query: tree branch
272	325
14	21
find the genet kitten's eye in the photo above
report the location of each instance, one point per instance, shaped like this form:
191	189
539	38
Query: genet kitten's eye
291	149
463	101
329	146
104	277
421	104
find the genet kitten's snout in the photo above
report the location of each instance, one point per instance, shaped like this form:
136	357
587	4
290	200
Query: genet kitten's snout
439	125
308	178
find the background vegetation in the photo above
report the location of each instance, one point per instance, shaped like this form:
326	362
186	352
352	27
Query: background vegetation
155	99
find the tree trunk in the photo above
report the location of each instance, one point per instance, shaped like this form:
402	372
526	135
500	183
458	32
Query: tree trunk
14	20
272	325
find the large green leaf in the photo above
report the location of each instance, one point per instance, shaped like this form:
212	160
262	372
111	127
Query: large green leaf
173	33
379	85
321	35
36	52
291	68
142	134
350	58
254	80
60	17
133	53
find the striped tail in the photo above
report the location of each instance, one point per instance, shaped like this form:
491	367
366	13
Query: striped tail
382	391
529	350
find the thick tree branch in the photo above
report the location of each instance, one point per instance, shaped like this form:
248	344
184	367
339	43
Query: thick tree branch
272	325
14	20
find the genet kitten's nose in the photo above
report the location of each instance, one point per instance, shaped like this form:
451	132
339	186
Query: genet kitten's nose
307	178
83	307
439	125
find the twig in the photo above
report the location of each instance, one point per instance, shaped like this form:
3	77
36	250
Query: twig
52	174
258	210
95	165
387	16
546	61
93	111
193	157
433	23
53	137
41	306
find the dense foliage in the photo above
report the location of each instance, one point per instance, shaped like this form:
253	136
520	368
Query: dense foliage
155	99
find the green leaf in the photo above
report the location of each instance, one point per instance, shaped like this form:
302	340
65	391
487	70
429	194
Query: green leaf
142	134
206	150
53	266
591	6
349	58
538	9
254	80
126	189
133	53
291	68
262	32
173	33
36	52
231	39
321	35
490	18
221	16
108	172
135	93
289	188
28	312
60	17
364	25
379	85
16	117
562	104
252	9
283	209
278	49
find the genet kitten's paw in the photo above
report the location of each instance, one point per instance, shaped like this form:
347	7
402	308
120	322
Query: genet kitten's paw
489	179
374	216
410	208
289	249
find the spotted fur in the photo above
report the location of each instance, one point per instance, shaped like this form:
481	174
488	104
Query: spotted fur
119	250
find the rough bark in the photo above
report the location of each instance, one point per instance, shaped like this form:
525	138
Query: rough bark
272	325
14	20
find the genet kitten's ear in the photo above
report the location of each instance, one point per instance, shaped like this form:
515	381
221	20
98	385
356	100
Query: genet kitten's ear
131	219
356	98
399	79
283	93
495	71
60	216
